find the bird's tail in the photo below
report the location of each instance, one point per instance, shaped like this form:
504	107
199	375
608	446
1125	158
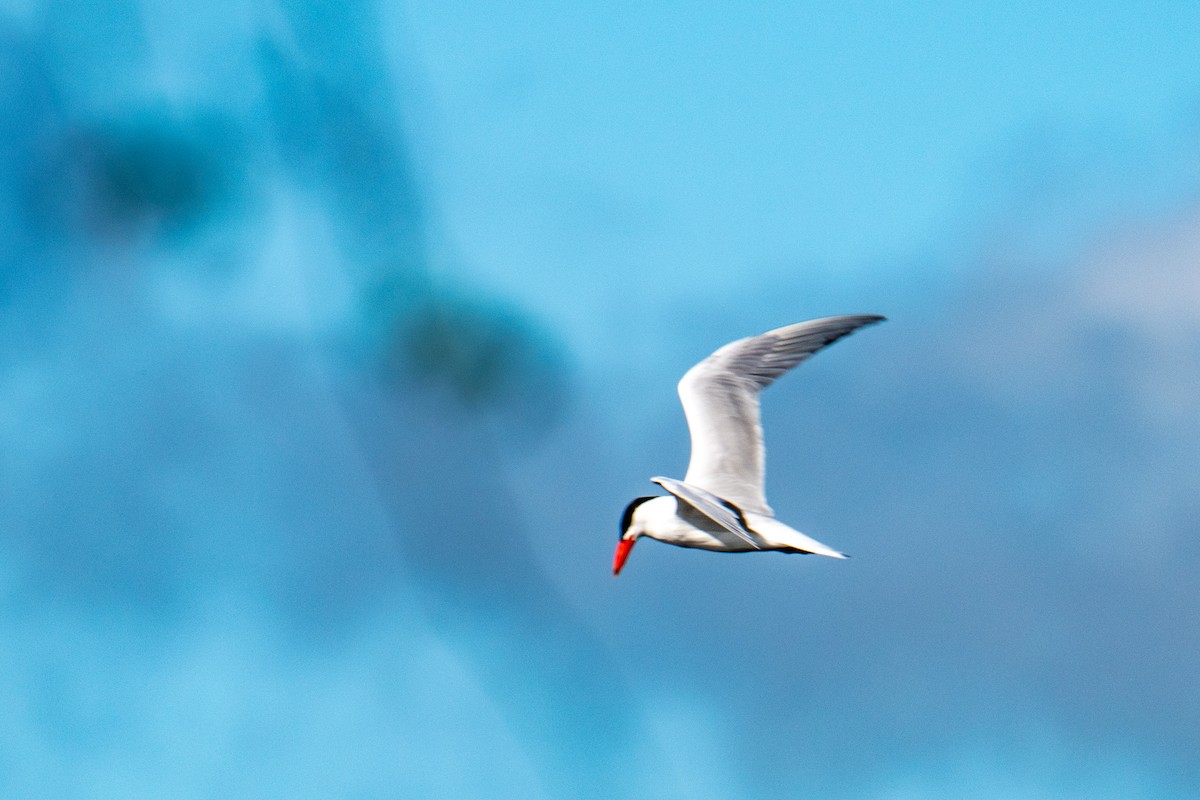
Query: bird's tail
806	544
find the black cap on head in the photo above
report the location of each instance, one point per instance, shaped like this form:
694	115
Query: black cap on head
627	517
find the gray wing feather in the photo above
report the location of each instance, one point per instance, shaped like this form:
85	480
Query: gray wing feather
711	507
720	401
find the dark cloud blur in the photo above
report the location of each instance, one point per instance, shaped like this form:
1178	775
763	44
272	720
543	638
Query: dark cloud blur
291	525
142	175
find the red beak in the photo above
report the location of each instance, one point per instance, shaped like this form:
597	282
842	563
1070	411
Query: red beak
623	548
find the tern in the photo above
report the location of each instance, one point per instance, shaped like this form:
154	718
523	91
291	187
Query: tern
720	503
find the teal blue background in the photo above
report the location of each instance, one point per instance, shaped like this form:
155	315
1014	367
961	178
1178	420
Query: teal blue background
334	338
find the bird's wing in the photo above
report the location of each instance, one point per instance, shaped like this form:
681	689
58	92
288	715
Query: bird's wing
711	506
720	401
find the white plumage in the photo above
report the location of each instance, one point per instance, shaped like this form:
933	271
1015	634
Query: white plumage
720	504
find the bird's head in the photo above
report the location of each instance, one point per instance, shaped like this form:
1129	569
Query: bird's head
631	529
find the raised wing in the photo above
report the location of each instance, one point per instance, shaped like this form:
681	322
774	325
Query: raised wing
720	400
730	519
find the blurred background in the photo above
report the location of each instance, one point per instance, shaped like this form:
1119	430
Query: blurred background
335	337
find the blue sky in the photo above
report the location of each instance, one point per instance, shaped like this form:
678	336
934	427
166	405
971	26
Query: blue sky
846	141
336	337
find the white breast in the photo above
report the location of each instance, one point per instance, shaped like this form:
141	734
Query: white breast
668	520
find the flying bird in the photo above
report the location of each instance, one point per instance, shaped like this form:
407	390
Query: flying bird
720	503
